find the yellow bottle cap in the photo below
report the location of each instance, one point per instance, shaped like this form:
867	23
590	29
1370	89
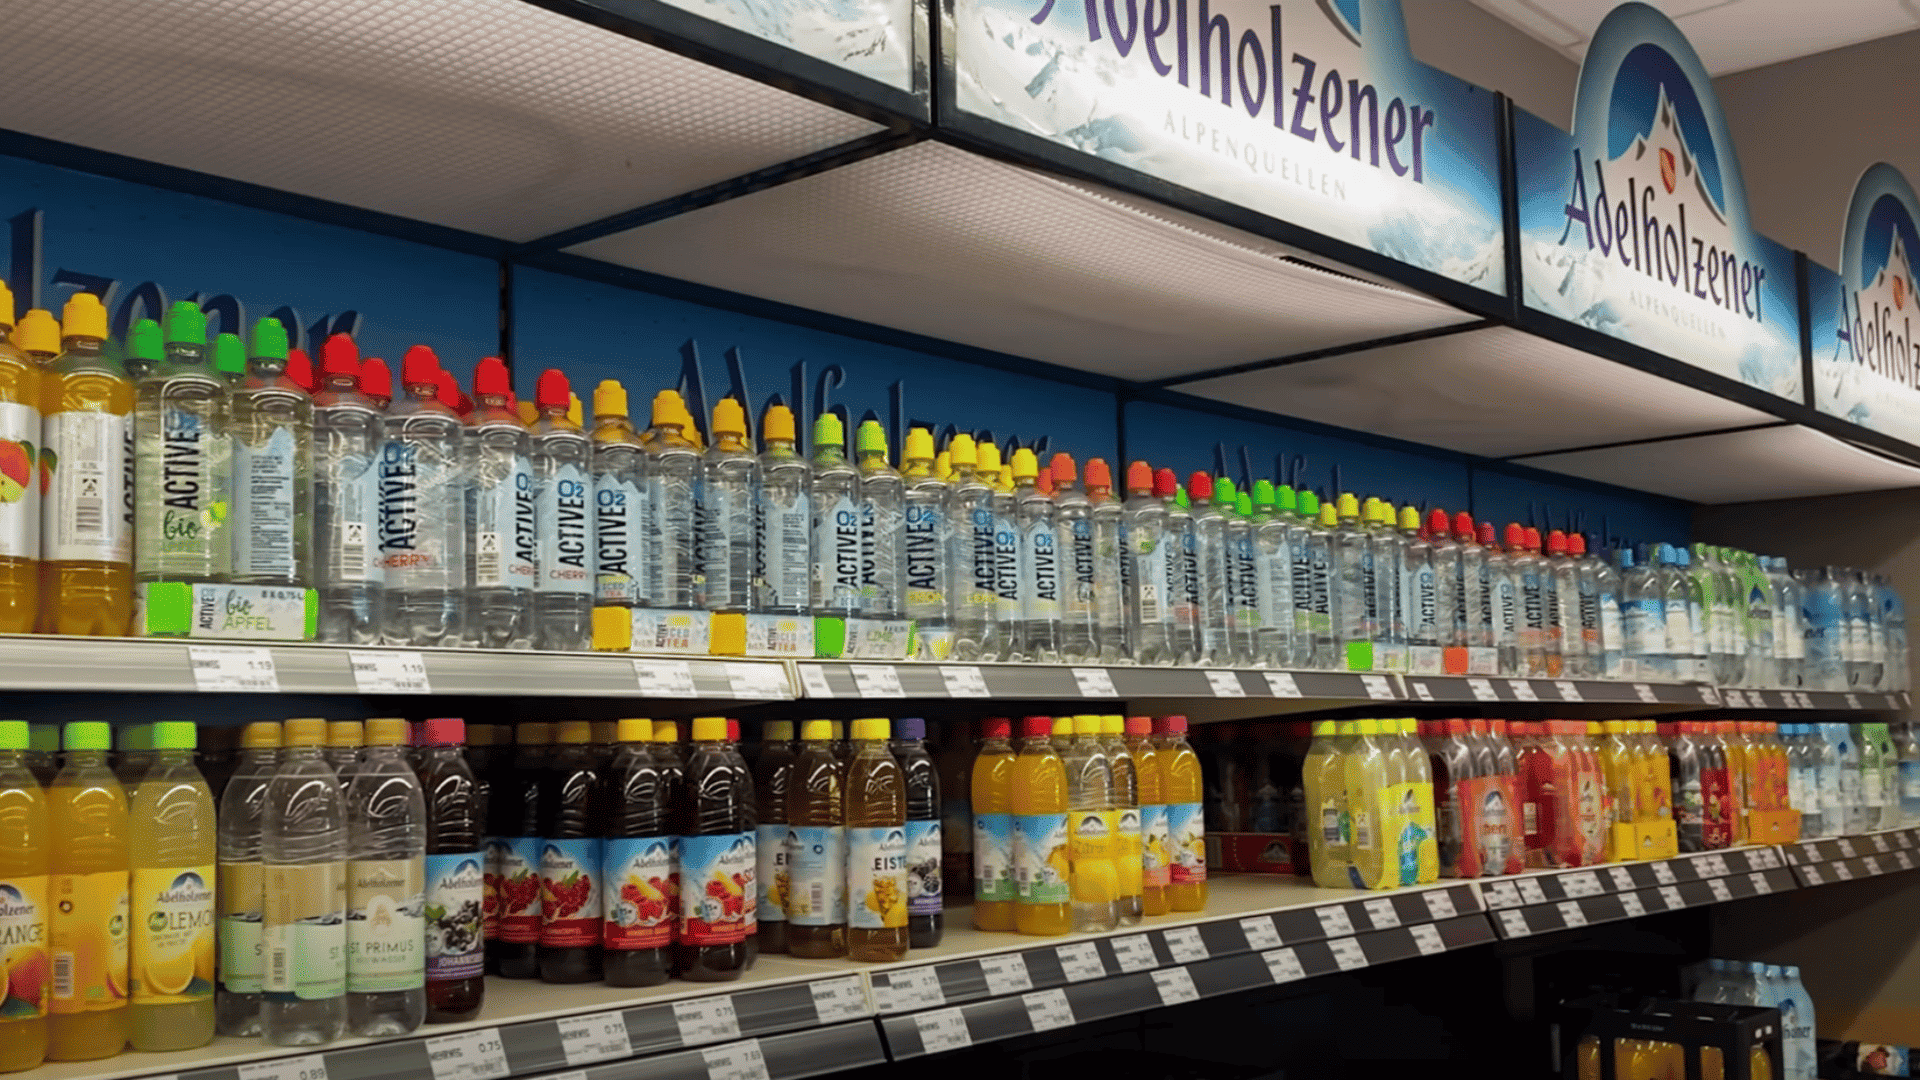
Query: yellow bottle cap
574	416
1006	478
305	732
1325	727
776	731
668	408
1593	727
1113	725
709	729
483	735
987	462
573	731
1025	465
872	728
345	733
777	423
1409	518
1086	725
816	730
729	418
37	332
6	305
631	730
1063	725
606	732
961	451
533	733
1366	727
529	412
609	398
84	316
943	466
666	731
1329	518
919	445
260	735
386	731
839	729
1347	505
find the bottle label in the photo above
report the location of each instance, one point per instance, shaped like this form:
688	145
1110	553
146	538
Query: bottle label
87	917
1006	569
1680	622
924	895
386	900
1909	781
993	877
783	552
1156	868
84	465
1042	874
925	547
1482	827
570	911
263	479
616	541
1081	581
876	877
20	488
305	932
1412	839
817	860
183	481
1716	808
1090	837
1149	579
565	517
1042	572
1187	858
417	499
23	947
456	940
639	883
772	880
519	886
880	562
242	898
716	873
836	543
172	959
506	550
983	577
1873	792
347	489
725	531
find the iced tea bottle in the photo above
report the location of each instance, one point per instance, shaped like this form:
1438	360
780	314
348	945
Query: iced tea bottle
817	847
716	860
924	895
21	379
991	785
772	773
639	864
456	985
516	949
572	809
876	847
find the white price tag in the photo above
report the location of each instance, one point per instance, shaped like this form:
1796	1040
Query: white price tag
1094	682
1421	691
1501	894
664	679
1260	932
1514	922
1281	684
1645	694
1846	847
1048	1009
813	682
1522	690
764	682
1225	684
1708	697
1185	944
1806	699
1670	896
1721	893
377	671
1872	863
1378	687
1585	883
705	1020
587	1039
1570	913
304	1067
1622	879
913	988
233	669
943	1029
1283	965
1347	953
1176	986
964	682
1482	690
1531	892
736	1061
1901	857
1879	842
1380	913
1734	699
1135	953
1081	961
1426	938
1759	883
839	999
1853	701
1440	904
876	681
1663	873
1334	920
1812	874
1006	974
1568	691
469	1055
1630	903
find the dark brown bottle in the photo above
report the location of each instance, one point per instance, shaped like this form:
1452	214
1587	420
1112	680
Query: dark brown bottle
572	810
456	941
817	847
638	938
771	773
515	950
924	895
716	860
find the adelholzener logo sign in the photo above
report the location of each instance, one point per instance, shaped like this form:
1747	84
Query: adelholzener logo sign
1636	224
1866	359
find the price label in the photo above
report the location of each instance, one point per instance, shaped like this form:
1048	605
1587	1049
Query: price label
595	1038
1531	892
1426	938
835	1000
913	988
1812	874
304	1067
1048	1009
1568	691
1734	699
1482	690
1756	699
1347	953
1630	903
1333	920
1645	694
1502	894
1283	965
1135	953
1670	896
1176	986
1440	904
1853	701
705	1020
1905	862
1185	944
1420	691
1006	974
1380	913
1378	687
736	1061
1281	684
1585	883
470	1055
1570	913
229	669
1622	879
1806	699
1522	690
664	679
1710	865
764	682
1721	893
1081	961
1880	843
1708	697
1260	932
876	681
1094	682
377	671
1663	873
813	682
1759	883
1514	922
1846	847
1225	684
1872	863
964	682
943	1029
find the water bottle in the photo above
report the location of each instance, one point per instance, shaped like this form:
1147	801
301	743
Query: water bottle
1856	637
1185	582
1824	666
1428	607
1798	1043
1763	666
348	436
1474	597
1535	586
1789	623
303	848
623	518
1849	780
1576	650
1387	559
560	456
1073	519
1010	608
976	628
1600	583
1144	521
837	518
386	888
182	460
883	520
1353	601
1874	655
1893	617
1273	530
1035	517
1503	586
926	547
243	807
1450	592
783	520
1211	561
1247	581
1677	600
500	516
272	467
423	535
726	512
674	474
1323	615
1111	567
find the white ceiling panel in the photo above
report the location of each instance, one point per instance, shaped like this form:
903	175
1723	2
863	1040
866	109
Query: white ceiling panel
1744	466
1729	35
937	241
1494	392
493	116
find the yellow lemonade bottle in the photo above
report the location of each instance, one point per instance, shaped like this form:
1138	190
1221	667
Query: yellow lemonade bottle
1180	785
1368	808
1042	878
87	893
1323	778
1154	839
86	572
21	376
1659	769
24	846
171	851
992	788
1623	770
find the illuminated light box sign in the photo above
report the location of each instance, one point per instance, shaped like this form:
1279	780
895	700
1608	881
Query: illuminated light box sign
1312	112
880	39
1866	359
1636	224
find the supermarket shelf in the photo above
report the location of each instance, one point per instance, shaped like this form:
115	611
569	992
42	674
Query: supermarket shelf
836	679
1444	688
1848	858
1540	903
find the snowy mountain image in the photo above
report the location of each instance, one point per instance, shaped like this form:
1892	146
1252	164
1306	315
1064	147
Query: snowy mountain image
1886	315
869	37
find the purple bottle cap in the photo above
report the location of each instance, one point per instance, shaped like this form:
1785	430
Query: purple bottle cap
911	727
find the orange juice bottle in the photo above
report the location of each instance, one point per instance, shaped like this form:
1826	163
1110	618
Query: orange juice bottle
992	785
87	890
1153	816
86	551
24	846
1180	785
172	853
1043	899
20	458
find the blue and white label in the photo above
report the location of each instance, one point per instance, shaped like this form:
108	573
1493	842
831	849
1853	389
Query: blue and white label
618	553
836	547
993	877
923	868
505	541
926	568
1007	568
1041	572
817	864
564	510
876	877
784	551
417	510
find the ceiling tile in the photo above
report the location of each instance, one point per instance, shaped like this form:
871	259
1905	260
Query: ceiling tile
1729	35
1788	462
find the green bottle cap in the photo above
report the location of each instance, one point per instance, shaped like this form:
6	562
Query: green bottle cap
1224	494
186	324
1180	498
134	738
1263	494
828	431
230	354
871	438
269	340
1310	503
44	738
1244	504
14	735
174	735
1284	499
88	735
143	341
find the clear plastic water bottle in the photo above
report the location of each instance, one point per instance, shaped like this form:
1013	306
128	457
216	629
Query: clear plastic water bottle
1536	600
1680	603
303	846
1503	587
182	460
1247	582
1386	558
1798	1042
1893	620
976	627
1185	583
561	458
726	512
783	520
1849	780
1646	652
1272	535
1009	600
1856	637
349	435
1576	653
1789	623
1876	794
1353	601
1875	656
926	547
1755	608
1036	516
1300	548
386	888
1450	592
423	519
1210	559
1600	596
882	527
1428	618
272	467
1110	565
837	518
243	807
1324	615
1073	518
1475	597
1824	780
674	473
1822	609
623	518
500	516
1149	616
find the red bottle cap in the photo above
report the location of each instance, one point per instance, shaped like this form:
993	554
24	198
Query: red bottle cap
552	391
996	727
1516	536
1556	542
339	356
733	731
1463	530
1098	475
1437	524
446	731
420	367
1577	544
1170	725
300	370
449	390
1063	469
1036	727
1199	488
1485	535
1139	725
1533	539
375	380
1164	484
490	377
1139	478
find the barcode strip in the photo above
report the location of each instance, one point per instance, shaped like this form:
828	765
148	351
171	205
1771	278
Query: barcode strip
63	975
89	517
278	977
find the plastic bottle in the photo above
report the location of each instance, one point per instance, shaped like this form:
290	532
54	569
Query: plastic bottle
674	472
1893	613
1856	653
1107	517
1579	653
1185	581
1272	535
991	787
27	385
1009	599
1366	781
559	455
838	516
730	478
1207	565
1144	526
242	890
386	888
345	738
572	811
349	442
1352	598
783	520
1473	597
86	527
1035	517
953	759
1090	827
501	515
1247	581
513	854
1329	850
181	460
976	628
638	853
1600	599
816	845
26	846
1074	545
876	801
922	785
1428	606
88	898
422	492
746	825
303	844
272	467
1789	622
1126	838
455	985
1180	785
1042	872
772	780
926	548
622	515
1153	841
1417	850
883	510
716	861
1387	549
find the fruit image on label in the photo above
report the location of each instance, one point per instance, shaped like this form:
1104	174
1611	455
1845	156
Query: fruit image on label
455	887
386	925
993	858
173	933
519	887
570	903
923	868
639	877
87	918
717	877
24	989
877	877
1188	832
1041	866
